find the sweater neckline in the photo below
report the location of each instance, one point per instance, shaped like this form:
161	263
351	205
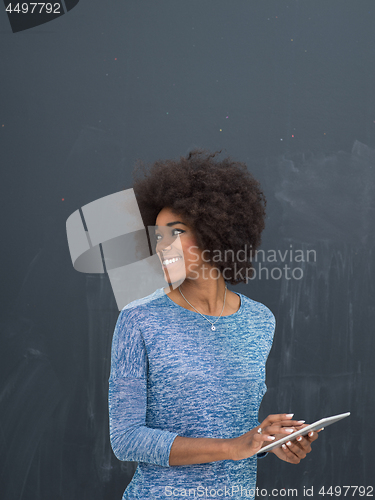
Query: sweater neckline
183	309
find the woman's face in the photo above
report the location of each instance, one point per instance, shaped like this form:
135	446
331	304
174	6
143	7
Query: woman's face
175	240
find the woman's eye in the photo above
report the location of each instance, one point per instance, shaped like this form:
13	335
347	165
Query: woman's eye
175	232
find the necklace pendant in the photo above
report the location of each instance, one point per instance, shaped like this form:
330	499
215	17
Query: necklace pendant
213	328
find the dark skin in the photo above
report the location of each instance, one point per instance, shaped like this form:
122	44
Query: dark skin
294	451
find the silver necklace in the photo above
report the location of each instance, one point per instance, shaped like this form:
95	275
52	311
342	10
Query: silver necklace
212	323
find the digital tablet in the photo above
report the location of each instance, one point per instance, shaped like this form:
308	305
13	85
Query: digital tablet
302	432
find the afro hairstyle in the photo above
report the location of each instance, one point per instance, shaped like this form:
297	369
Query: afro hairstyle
220	200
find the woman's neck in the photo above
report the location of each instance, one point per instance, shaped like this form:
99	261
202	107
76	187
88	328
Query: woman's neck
207	296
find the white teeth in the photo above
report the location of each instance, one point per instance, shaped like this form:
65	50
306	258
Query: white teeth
170	261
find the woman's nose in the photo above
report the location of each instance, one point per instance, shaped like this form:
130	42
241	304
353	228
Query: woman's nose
163	247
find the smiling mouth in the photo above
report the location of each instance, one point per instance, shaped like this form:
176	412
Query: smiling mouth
170	261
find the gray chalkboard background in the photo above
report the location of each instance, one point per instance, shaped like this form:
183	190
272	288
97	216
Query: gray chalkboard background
287	87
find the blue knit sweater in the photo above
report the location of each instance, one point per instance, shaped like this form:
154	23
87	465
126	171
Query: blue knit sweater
172	375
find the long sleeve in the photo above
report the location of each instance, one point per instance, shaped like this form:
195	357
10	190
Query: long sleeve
131	439
261	394
171	372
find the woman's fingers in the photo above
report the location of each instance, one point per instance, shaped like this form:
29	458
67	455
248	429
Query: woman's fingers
280	428
313	435
291	457
281	422
265	435
301	445
304	443
294	452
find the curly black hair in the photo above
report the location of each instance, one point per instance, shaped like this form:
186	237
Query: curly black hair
220	200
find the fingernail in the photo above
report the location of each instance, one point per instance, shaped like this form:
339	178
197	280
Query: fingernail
289	415
288	429
311	433
322	428
271	437
299	438
289	443
283	446
301	421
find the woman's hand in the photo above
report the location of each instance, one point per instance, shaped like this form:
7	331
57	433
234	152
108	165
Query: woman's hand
251	442
294	451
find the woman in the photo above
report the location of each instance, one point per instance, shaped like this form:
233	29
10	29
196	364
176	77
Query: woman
188	361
